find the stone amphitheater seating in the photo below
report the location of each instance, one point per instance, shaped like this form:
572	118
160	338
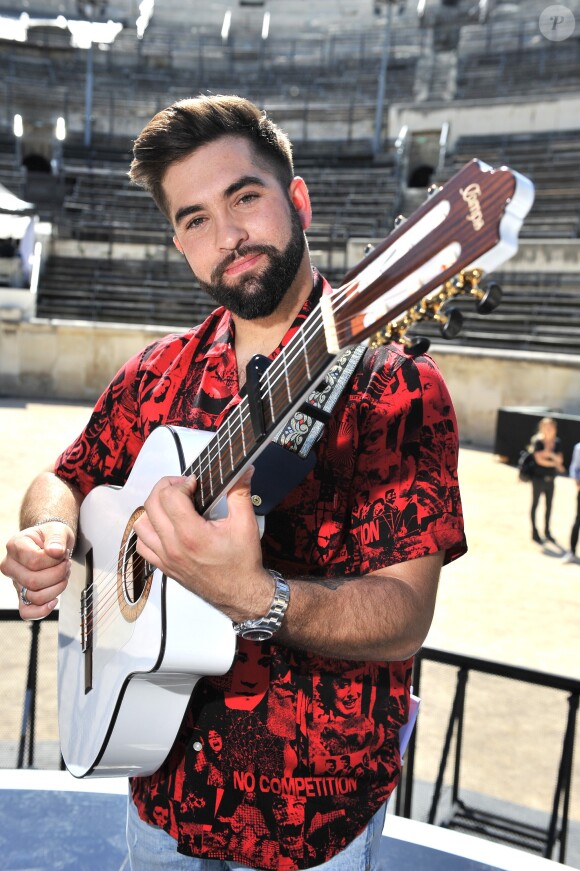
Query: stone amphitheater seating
552	67
101	289
321	86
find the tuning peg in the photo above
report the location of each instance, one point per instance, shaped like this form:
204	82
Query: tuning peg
416	346
400	219
433	189
368	248
488	298
450	323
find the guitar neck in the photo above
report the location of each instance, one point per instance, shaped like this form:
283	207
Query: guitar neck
471	223
282	389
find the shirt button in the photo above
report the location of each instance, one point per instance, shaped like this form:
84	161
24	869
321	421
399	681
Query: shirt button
197	746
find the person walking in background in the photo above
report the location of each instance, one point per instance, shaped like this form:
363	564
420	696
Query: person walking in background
547	449
570	556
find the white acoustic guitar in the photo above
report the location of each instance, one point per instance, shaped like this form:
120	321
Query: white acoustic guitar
132	642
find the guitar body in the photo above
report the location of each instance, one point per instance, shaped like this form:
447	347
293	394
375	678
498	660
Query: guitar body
126	678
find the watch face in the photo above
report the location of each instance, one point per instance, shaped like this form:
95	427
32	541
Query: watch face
257	634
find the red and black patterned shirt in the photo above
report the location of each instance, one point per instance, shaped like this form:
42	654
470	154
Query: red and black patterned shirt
280	763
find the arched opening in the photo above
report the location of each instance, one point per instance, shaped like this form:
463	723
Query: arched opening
43	187
36	163
420	176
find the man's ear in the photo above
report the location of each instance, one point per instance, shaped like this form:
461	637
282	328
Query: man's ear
298	193
177	244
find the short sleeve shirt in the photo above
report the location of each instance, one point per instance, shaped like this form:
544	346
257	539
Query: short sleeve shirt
281	762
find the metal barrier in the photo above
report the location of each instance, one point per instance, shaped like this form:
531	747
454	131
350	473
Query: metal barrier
461	816
470	819
26	744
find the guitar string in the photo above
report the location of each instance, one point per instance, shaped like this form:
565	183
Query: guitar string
276	377
110	594
107	577
276	373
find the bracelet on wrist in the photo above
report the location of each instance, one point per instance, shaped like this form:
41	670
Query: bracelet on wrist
53	520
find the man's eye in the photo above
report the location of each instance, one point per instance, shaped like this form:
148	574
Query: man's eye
195	222
248	198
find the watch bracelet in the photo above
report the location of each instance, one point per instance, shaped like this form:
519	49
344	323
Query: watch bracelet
272	621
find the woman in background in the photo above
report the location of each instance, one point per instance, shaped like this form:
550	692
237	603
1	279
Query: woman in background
547	450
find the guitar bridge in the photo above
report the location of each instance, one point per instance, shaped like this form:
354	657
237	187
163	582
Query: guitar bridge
87	622
85	629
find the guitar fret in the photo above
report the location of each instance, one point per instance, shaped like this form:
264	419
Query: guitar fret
244	451
210	479
195	469
200	487
271	392
230	444
237	451
221	471
288	391
305	349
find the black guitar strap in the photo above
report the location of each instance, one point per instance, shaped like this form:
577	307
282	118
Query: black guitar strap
290	456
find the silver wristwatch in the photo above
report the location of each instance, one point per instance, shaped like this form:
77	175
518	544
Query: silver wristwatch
265	627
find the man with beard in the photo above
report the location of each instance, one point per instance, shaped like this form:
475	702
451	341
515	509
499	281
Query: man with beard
222	173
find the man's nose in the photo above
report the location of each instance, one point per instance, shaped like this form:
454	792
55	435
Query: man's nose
230	233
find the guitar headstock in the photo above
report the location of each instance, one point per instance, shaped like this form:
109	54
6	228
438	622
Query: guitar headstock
468	227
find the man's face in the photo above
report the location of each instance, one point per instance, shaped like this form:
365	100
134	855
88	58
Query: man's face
240	231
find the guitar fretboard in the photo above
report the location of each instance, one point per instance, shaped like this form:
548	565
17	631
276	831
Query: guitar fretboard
282	388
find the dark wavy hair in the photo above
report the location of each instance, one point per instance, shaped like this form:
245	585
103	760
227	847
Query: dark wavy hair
180	129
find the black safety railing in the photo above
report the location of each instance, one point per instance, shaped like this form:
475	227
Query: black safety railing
475	820
459	815
26	744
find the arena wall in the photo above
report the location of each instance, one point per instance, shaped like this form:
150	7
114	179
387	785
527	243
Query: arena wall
74	360
473	117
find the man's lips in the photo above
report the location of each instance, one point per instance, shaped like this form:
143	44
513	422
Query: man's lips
241	264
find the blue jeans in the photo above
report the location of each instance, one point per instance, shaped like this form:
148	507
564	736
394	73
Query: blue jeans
151	848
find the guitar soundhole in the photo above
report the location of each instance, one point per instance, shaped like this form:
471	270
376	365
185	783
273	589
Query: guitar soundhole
134	571
134	574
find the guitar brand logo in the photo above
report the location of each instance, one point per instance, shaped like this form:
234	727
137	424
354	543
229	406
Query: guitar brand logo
471	195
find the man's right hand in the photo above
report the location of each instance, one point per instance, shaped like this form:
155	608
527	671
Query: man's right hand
38	561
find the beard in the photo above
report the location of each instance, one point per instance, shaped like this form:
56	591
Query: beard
258	296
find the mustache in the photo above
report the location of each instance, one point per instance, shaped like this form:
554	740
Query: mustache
243	251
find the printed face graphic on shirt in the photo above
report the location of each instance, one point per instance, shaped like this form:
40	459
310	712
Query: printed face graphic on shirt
348	693
340	695
214	739
250	678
